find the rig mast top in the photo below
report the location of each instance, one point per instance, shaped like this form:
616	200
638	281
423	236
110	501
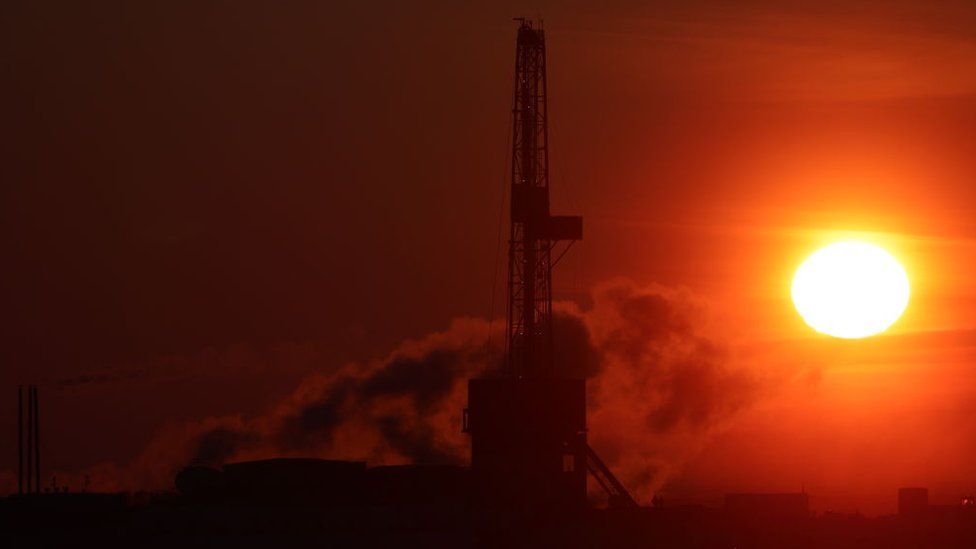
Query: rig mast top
534	232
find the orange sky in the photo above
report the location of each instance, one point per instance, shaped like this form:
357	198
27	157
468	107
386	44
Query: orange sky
200	192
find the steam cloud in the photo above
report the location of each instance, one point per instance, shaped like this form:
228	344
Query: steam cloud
657	386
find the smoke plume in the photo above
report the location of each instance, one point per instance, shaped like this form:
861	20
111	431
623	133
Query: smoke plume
657	387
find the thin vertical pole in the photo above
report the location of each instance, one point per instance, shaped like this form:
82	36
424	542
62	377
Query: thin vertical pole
20	439
37	443
30	439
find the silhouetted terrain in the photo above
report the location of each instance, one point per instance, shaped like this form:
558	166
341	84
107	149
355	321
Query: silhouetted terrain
172	520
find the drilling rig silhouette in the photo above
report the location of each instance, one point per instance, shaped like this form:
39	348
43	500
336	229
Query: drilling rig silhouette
530	459
529	450
528	427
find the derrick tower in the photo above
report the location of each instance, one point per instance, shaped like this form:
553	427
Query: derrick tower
528	426
534	232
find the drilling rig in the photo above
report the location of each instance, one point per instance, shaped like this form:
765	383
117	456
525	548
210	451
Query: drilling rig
528	426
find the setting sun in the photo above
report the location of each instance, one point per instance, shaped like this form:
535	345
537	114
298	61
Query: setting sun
850	290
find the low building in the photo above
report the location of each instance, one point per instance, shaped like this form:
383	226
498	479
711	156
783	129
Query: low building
786	506
913	501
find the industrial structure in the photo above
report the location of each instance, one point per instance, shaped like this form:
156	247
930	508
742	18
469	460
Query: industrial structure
528	427
768	507
529	450
912	501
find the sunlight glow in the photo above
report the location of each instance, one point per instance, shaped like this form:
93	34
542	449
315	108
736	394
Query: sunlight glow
850	290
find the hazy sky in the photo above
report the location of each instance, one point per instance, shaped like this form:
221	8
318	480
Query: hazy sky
205	202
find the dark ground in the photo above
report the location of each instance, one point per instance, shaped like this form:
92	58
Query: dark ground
167	520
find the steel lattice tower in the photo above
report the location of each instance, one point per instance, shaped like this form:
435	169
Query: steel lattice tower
533	231
528	428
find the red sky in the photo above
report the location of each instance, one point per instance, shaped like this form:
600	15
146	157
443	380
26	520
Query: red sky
205	203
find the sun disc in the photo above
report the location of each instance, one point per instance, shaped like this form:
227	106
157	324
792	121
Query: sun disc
850	290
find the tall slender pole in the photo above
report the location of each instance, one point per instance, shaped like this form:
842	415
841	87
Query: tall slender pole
37	443
20	440
30	439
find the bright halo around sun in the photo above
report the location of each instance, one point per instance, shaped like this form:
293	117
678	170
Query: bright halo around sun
850	290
